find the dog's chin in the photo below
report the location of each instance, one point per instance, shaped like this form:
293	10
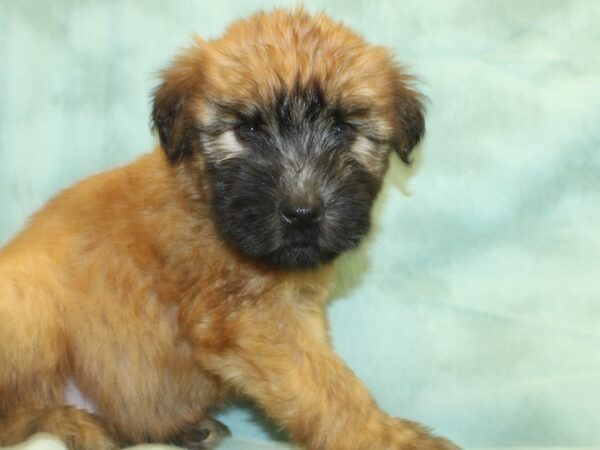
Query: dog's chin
297	257
297	251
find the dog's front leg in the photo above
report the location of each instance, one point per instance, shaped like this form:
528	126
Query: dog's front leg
278	354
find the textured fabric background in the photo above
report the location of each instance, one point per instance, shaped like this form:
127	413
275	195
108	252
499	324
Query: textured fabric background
475	306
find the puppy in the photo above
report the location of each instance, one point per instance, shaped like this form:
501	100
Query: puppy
160	289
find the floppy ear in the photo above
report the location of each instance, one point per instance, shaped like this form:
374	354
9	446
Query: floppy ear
170	113
410	120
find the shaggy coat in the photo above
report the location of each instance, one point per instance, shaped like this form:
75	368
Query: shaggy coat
200	271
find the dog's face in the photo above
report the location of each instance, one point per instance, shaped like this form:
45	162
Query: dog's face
288	119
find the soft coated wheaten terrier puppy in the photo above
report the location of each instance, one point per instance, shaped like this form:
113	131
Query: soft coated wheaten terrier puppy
160	289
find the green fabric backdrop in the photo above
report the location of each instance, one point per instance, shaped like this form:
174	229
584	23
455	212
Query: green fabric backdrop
475	306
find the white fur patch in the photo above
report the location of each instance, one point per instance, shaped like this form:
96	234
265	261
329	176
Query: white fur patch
227	146
74	397
366	153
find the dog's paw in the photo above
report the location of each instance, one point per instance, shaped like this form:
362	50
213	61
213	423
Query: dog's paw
412	436
429	442
205	436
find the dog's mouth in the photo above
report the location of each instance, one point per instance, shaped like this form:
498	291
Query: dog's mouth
289	249
297	255
269	240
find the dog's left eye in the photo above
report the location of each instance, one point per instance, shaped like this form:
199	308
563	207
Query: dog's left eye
248	131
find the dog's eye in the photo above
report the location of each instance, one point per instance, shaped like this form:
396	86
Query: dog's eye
344	129
343	133
248	131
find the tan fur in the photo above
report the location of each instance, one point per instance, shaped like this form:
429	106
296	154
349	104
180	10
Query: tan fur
123	285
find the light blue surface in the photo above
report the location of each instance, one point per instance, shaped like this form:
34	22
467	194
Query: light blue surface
48	442
475	307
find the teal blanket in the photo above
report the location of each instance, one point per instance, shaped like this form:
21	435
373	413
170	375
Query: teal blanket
475	305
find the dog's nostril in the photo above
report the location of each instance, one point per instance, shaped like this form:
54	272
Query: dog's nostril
300	214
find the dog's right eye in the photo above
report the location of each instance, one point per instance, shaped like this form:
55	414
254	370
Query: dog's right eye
248	131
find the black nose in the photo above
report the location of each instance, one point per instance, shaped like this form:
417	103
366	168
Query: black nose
300	214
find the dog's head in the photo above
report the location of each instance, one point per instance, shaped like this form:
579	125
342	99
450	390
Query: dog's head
288	119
